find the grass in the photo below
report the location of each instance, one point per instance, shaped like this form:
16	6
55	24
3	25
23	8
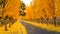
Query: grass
50	21
16	28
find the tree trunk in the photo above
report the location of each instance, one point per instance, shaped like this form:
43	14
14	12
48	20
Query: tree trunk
42	20
54	18
6	26
47	20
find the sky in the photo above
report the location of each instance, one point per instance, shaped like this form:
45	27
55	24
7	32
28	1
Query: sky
27	2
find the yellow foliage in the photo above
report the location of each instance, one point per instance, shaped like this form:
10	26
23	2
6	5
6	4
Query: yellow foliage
43	8
57	5
12	9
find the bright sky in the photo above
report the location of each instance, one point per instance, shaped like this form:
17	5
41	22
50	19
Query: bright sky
27	2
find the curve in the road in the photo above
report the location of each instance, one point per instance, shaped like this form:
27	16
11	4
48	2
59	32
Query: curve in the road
35	30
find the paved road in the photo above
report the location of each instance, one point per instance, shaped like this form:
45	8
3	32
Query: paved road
35	30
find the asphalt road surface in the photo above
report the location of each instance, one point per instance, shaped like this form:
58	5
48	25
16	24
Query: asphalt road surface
35	30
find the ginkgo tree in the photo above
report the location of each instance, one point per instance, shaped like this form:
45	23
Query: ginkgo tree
44	9
9	11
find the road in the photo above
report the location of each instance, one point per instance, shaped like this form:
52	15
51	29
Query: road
36	30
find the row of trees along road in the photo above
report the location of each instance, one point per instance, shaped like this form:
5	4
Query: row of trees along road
43	9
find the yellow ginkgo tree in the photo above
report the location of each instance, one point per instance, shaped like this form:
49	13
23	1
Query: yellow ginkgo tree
9	10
